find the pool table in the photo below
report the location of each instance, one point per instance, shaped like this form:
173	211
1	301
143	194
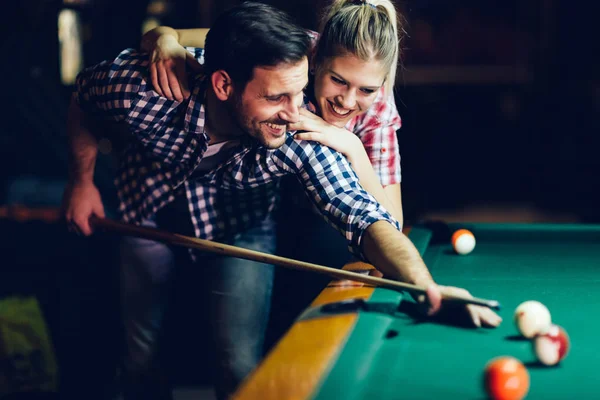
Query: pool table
360	342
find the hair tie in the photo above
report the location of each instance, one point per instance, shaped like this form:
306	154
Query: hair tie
366	3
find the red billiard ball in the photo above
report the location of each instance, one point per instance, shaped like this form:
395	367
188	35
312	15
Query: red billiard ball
551	347
506	378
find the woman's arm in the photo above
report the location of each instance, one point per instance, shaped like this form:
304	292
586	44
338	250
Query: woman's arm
388	196
394	194
343	141
168	59
377	129
185	37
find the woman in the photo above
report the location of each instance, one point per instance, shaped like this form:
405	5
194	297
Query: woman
352	79
353	66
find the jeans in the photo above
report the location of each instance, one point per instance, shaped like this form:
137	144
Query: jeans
303	235
239	293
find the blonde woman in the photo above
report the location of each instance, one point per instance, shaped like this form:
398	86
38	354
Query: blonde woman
351	89
350	108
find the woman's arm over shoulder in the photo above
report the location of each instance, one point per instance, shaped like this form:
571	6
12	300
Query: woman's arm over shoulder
170	61
185	37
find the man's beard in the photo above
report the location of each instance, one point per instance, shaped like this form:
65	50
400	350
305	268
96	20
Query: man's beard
236	109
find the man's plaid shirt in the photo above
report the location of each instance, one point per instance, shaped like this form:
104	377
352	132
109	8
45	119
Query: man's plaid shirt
167	144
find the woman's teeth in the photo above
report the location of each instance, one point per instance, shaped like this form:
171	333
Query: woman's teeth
340	111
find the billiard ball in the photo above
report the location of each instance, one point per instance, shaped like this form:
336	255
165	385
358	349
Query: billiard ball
506	378
551	347
532	318
463	241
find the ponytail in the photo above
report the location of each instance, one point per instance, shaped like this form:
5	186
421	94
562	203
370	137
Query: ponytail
367	29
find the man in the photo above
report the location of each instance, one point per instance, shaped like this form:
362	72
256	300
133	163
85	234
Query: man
209	166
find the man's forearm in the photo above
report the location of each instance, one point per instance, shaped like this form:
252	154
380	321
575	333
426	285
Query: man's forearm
392	253
83	146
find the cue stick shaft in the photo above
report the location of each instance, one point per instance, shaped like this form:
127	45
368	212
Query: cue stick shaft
234	251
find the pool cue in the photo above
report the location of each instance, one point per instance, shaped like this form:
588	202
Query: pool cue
239	252
21	213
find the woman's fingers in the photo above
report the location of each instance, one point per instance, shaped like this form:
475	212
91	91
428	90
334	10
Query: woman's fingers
309	122
163	80
314	136
154	79
180	76
306	113
169	79
174	83
303	124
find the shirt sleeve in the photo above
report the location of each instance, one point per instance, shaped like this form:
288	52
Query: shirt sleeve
333	187
119	90
108	89
377	130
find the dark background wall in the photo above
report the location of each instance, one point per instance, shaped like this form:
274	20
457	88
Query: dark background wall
499	99
500	103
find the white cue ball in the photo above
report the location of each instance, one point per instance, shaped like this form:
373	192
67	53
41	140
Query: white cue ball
463	241
532	318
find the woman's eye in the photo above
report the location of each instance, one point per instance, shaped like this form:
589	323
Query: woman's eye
338	81
368	91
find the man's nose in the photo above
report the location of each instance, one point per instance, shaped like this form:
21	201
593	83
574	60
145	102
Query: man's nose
291	113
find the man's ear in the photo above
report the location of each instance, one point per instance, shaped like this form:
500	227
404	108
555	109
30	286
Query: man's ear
222	84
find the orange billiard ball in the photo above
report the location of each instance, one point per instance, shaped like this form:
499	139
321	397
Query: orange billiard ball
506	378
463	241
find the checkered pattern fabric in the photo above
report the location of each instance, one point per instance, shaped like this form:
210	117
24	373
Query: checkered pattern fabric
167	143
377	128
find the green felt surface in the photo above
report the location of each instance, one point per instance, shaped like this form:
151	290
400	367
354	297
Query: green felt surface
397	355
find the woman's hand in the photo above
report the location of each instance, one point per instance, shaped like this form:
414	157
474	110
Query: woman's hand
168	61
315	128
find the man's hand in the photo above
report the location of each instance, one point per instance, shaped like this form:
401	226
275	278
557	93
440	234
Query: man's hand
81	200
478	315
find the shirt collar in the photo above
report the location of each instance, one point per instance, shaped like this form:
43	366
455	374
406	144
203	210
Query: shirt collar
195	113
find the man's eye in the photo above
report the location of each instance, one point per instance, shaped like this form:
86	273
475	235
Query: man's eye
338	81
275	99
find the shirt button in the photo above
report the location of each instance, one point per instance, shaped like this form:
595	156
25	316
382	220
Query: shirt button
383	150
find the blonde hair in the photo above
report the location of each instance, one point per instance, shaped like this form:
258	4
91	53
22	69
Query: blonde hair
365	29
